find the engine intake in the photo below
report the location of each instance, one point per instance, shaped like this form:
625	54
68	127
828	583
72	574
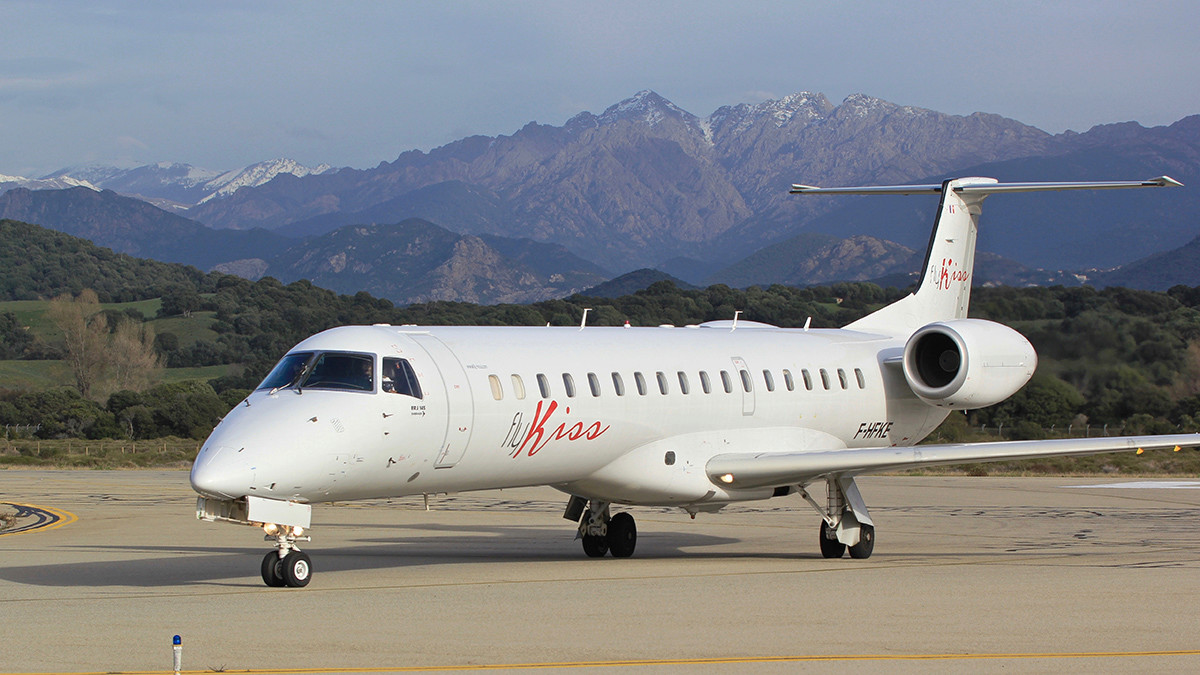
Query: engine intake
967	363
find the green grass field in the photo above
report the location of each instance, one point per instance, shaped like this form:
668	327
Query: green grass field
33	314
189	330
37	375
34	375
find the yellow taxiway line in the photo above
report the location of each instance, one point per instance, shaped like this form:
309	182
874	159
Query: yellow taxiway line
60	518
732	660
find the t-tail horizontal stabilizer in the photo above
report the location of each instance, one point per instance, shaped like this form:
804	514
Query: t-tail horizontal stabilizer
944	289
984	186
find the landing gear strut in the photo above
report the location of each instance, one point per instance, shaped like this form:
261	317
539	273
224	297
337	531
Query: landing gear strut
287	565
600	532
845	522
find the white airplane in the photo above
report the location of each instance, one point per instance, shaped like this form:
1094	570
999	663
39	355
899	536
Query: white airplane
695	417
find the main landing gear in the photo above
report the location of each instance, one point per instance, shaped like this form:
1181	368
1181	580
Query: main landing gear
845	522
599	532
287	565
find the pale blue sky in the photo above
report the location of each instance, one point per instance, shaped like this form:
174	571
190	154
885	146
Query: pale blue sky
224	84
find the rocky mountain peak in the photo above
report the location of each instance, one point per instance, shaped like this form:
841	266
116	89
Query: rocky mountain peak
802	107
646	107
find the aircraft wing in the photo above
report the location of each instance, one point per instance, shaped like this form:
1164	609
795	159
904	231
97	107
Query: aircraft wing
775	469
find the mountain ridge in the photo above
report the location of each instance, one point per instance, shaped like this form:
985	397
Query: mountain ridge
645	181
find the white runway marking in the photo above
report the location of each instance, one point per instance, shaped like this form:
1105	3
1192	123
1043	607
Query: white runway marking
1148	485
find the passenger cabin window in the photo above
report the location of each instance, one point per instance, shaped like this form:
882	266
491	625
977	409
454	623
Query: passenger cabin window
518	387
788	381
683	383
543	385
824	379
862	381
842	378
618	384
770	381
353	372
569	383
594	384
400	378
726	382
807	378
747	383
494	383
662	382
640	381
704	383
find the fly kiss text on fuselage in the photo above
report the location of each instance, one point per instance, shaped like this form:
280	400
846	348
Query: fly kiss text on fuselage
531	437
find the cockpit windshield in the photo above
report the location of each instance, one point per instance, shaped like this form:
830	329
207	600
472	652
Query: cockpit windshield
341	371
286	371
328	370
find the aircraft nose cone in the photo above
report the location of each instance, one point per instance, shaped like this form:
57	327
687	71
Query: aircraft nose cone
219	473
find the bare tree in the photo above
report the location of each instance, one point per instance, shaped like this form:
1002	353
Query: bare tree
85	336
132	360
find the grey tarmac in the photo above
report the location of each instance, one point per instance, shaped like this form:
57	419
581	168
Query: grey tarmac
969	574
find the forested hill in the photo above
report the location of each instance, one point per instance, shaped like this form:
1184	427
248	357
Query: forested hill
38	263
1107	357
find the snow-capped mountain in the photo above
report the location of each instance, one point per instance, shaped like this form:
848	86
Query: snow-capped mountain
175	186
50	183
257	174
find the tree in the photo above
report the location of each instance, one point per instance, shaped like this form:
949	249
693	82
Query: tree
85	337
179	299
14	338
133	360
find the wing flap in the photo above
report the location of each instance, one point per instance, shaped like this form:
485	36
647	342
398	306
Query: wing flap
773	469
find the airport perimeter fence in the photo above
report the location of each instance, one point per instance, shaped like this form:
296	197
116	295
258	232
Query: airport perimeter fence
98	453
21	430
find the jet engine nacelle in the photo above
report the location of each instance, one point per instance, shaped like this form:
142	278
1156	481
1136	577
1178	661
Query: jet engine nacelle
967	363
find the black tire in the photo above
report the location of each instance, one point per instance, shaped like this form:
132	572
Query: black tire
830	548
595	546
866	542
272	570
622	535
297	569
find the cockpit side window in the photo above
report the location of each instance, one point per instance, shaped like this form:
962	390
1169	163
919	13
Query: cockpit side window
400	378
333	370
286	371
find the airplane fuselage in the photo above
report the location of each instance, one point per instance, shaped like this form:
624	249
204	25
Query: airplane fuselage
628	415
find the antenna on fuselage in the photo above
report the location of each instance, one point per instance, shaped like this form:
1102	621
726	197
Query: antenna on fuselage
736	314
807	323
583	322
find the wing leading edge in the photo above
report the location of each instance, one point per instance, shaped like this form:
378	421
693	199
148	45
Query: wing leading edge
776	469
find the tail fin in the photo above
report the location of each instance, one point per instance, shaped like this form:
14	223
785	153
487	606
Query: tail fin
944	290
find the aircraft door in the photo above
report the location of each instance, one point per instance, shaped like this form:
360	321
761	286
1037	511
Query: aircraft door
744	381
460	409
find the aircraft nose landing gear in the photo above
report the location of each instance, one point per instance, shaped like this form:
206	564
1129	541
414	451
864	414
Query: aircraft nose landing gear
284	524
287	565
